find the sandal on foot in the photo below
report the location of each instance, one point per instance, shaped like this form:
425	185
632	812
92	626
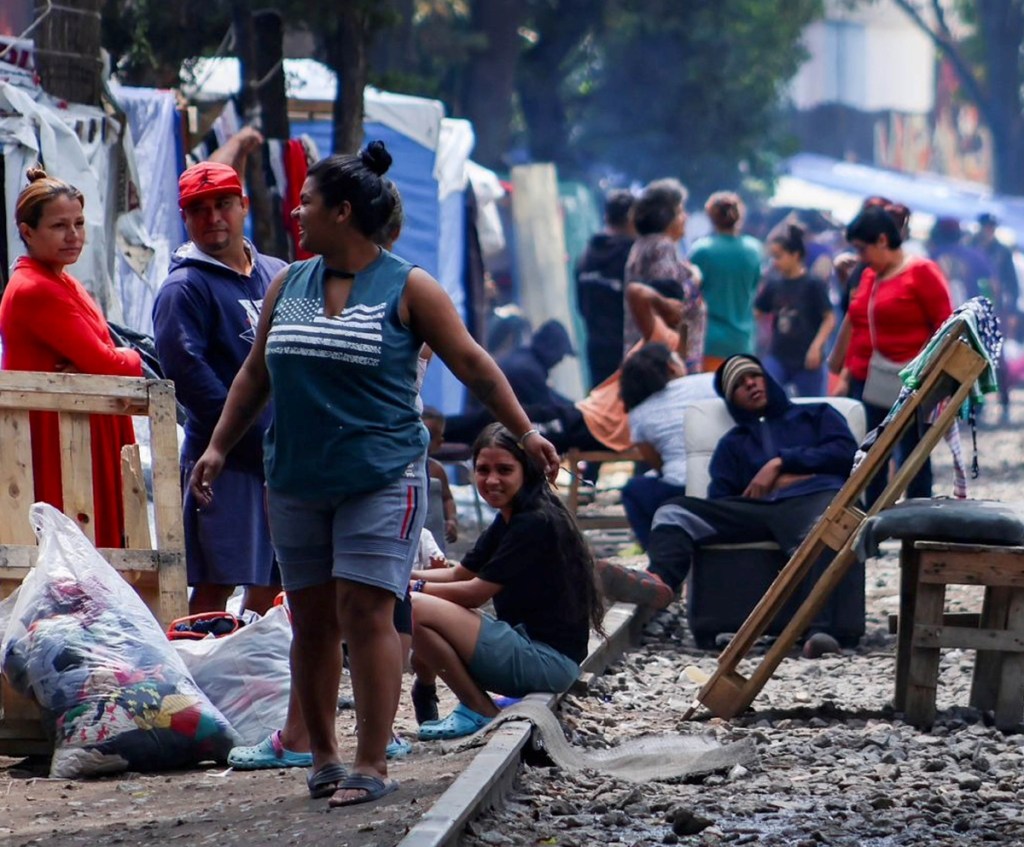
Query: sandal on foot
461	722
398	748
269	753
373	788
325	781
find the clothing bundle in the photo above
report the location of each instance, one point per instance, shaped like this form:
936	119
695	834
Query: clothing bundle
82	645
983	334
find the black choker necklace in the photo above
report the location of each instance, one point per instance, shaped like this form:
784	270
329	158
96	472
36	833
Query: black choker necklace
340	274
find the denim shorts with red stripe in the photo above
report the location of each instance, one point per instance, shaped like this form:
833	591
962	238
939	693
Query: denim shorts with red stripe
371	538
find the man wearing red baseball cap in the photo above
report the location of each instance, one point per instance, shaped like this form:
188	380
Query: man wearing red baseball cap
204	321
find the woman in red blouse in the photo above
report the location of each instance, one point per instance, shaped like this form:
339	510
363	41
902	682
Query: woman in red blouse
900	303
49	322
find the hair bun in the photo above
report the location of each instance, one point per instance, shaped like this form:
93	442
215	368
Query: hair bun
376	157
35	174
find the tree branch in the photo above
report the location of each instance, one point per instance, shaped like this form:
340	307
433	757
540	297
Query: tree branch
943	40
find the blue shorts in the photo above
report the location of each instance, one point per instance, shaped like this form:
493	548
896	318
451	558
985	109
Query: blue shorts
370	538
228	542
505	661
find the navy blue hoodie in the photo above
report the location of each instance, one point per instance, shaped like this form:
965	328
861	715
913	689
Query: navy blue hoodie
204	325
811	438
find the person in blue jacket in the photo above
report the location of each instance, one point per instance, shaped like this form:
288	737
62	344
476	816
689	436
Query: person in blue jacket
772	477
204	325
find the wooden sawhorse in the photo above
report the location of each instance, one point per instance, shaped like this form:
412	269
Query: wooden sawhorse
926	568
951	373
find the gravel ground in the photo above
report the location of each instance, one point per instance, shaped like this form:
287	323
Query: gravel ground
835	765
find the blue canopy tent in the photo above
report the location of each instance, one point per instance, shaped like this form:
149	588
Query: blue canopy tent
930	194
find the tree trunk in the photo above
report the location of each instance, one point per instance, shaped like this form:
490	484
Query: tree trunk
1002	27
273	97
394	53
490	77
68	50
346	53
267	226
540	72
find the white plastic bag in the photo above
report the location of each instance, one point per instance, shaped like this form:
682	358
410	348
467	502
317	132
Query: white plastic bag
83	645
246	674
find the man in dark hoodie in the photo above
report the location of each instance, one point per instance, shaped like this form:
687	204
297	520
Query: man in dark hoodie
527	368
772	477
204	321
600	282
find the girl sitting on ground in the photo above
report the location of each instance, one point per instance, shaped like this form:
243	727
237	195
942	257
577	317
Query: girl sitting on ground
534	564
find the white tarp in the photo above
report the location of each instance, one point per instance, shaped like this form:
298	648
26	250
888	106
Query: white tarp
307	79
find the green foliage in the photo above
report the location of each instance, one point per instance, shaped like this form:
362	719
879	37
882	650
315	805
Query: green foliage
148	40
690	89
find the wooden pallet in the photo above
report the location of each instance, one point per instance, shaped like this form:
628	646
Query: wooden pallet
953	370
154	567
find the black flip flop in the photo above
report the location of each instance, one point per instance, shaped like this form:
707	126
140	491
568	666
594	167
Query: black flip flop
374	786
325	781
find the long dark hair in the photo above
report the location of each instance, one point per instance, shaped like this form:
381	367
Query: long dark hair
579	570
643	374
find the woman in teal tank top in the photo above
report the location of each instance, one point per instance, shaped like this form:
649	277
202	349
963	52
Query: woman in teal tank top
335	355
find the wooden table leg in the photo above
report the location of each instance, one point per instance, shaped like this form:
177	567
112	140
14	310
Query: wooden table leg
909	570
988	664
923	670
1010	699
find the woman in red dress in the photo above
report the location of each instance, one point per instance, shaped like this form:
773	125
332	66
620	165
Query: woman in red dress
49	323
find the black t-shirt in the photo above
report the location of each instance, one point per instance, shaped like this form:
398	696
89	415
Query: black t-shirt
797	306
521	556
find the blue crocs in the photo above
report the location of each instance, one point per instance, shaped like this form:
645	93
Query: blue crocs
269	753
461	722
398	748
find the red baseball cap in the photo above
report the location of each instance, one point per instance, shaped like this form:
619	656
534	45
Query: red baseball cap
205	180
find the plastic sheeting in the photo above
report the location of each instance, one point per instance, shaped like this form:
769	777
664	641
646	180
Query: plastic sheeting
151	234
74	144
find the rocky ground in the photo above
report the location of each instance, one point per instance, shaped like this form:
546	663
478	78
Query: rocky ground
835	765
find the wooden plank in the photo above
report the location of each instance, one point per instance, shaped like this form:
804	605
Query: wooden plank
923	671
967	638
990	568
17	559
170	532
71	403
988	666
133	496
952	547
909	568
840	525
17	490
76	472
1010	700
134	389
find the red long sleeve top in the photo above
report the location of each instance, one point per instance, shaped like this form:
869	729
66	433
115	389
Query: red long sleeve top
49	321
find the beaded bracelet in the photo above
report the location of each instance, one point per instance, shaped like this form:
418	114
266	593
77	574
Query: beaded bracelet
418	585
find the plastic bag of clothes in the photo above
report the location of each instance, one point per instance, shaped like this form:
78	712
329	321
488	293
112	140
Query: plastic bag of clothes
246	673
82	644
